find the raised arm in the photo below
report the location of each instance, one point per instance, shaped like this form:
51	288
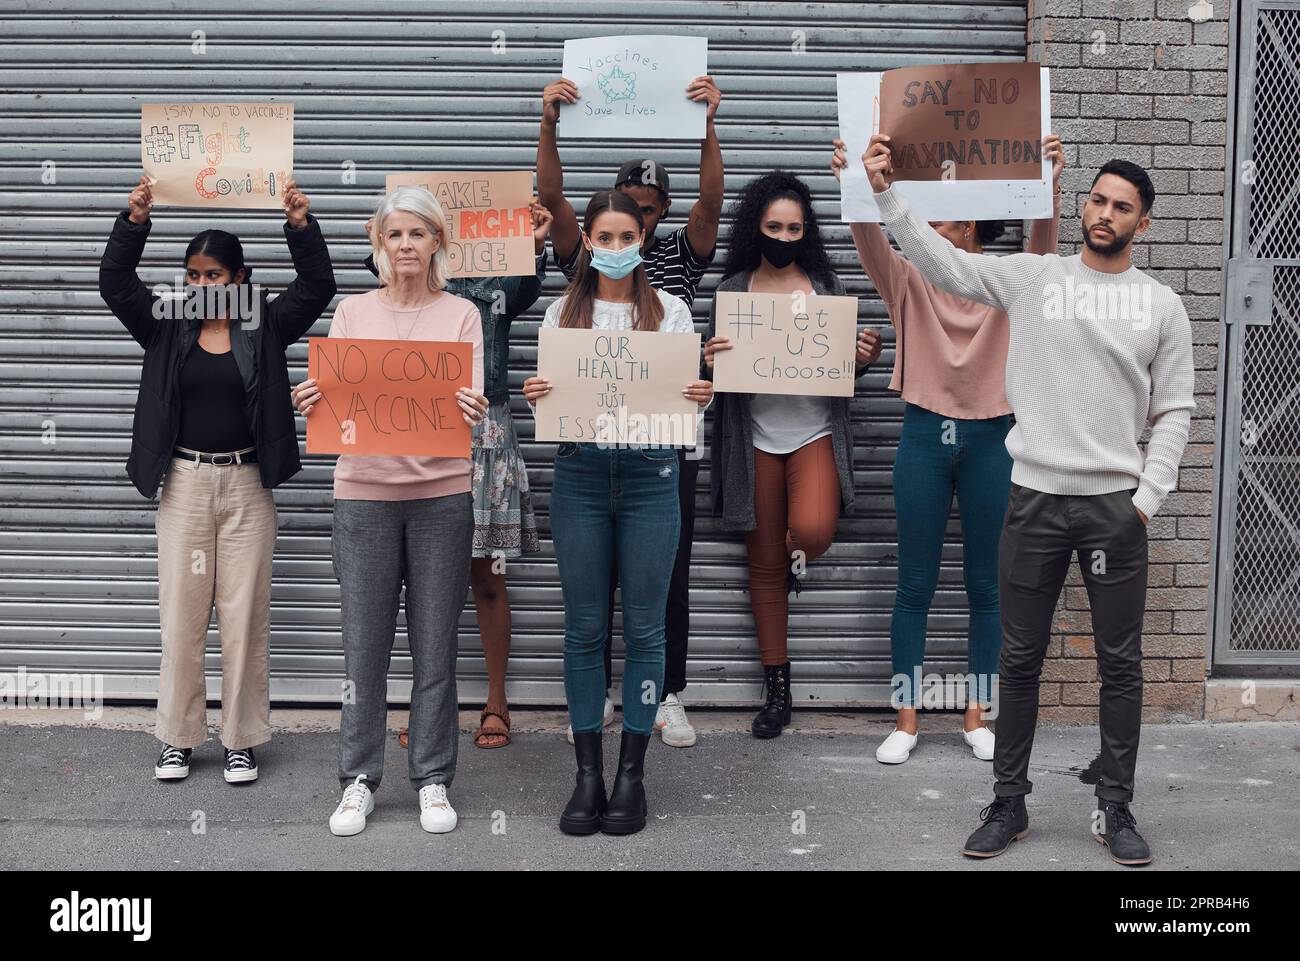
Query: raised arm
1045	234
702	225
120	287
565	233
1170	414
293	313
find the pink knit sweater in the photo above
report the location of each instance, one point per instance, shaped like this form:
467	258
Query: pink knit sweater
951	352
385	478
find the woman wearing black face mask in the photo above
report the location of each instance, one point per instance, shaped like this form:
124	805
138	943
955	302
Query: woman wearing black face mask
782	466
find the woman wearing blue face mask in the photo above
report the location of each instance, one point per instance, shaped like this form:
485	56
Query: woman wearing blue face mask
614	501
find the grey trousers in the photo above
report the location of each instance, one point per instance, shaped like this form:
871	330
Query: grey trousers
378	546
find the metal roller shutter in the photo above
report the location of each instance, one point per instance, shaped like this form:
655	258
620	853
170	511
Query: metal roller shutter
409	85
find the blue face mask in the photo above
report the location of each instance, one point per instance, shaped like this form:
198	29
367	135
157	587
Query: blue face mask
616	264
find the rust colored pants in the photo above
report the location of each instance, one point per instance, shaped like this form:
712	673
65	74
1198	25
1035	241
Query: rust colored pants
796	506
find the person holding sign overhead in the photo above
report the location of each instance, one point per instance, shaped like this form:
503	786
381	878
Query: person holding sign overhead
504	524
611	502
674	264
1098	352
950	367
782	467
403	521
211	424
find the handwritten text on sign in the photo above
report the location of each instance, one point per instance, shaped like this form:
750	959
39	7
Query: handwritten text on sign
234	155
634	87
786	344
971	121
617	387
395	397
490	229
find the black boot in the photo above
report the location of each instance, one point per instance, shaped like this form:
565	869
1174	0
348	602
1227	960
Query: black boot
583	812
1005	820
627	808
1119	835
775	714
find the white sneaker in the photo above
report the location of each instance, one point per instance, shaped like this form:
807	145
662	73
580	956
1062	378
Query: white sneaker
606	720
896	748
671	723
437	816
349	817
981	742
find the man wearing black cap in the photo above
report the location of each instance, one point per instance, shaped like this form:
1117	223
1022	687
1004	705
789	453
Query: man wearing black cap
674	263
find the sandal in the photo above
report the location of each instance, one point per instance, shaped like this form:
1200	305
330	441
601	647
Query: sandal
404	737
480	736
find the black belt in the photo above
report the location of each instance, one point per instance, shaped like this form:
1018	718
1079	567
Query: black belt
220	460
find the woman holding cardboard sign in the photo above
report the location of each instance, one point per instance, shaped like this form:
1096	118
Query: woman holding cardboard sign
782	465
949	366
609	501
403	521
211	416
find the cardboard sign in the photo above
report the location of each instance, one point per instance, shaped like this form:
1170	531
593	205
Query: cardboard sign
956	199
389	397
967	121
617	387
634	88
786	344
490	232
233	155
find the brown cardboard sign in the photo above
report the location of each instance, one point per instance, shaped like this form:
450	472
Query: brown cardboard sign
803	344
490	231
968	121
617	387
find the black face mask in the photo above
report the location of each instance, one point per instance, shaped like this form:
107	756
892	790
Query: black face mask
780	253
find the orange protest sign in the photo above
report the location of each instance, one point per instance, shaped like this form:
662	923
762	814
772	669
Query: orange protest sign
395	397
490	232
235	155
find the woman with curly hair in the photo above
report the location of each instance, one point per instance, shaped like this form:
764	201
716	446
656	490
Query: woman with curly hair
782	469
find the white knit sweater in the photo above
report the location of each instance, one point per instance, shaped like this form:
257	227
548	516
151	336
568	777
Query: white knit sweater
1093	359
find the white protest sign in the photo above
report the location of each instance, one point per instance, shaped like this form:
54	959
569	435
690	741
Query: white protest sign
859	117
634	88
786	344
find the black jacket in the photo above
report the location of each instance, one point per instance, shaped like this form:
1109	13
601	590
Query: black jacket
258	349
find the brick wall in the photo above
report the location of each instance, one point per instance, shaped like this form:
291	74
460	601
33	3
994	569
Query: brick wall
1140	80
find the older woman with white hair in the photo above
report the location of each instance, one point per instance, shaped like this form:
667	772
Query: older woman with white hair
404	520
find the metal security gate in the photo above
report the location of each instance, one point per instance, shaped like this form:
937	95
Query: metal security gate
377	87
1257	589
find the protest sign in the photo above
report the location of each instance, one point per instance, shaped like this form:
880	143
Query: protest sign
964	121
786	344
617	387
234	155
860	115
634	88
489	229
394	397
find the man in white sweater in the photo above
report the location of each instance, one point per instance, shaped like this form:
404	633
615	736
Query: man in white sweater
1098	351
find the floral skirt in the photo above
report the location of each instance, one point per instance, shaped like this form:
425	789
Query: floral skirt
504	524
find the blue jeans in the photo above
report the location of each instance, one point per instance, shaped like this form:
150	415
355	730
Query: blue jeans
605	505
937	457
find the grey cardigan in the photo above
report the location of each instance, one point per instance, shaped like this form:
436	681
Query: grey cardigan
731	475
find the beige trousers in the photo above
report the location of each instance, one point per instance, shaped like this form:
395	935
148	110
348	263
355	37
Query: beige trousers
216	537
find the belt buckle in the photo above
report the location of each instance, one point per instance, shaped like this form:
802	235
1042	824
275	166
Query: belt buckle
229	459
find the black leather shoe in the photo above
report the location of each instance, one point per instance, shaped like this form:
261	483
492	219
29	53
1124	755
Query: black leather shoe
1005	820
1119	835
583	812
627	808
775	714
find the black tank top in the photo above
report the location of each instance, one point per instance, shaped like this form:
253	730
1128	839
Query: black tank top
212	404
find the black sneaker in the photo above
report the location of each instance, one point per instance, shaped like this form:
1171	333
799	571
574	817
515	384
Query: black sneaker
173	763
1005	820
1119	835
240	766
